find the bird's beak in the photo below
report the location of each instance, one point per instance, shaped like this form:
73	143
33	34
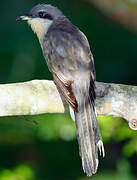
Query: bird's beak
24	18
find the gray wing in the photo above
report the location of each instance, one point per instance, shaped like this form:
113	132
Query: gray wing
68	54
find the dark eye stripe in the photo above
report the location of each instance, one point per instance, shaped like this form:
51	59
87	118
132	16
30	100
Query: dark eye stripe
45	15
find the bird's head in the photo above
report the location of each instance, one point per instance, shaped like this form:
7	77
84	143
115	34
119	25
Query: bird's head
41	17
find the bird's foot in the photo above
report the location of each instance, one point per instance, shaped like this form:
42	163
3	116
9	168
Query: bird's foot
101	148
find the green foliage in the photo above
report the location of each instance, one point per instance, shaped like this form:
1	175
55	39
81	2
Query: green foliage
122	172
21	172
16	134
117	129
53	127
25	172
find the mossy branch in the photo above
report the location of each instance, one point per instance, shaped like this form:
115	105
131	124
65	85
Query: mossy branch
41	96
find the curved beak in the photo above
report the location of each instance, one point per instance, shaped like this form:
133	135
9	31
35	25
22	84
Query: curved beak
25	17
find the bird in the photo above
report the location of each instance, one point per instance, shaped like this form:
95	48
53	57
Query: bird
69	59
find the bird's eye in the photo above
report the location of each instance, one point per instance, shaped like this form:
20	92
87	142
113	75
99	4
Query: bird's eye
41	14
45	15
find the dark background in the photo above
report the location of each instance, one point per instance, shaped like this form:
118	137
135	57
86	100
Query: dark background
49	150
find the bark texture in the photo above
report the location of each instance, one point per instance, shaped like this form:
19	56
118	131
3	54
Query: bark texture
41	96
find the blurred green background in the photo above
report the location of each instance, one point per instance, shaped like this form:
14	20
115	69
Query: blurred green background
49	150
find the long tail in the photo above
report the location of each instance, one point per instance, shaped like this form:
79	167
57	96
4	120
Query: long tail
88	134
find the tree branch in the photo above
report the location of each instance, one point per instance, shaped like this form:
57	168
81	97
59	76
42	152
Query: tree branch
41	96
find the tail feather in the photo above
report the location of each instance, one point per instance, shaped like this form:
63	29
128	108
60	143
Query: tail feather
88	134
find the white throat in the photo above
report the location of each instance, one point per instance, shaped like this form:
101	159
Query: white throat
40	26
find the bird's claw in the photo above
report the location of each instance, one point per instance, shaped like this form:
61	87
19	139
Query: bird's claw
101	148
